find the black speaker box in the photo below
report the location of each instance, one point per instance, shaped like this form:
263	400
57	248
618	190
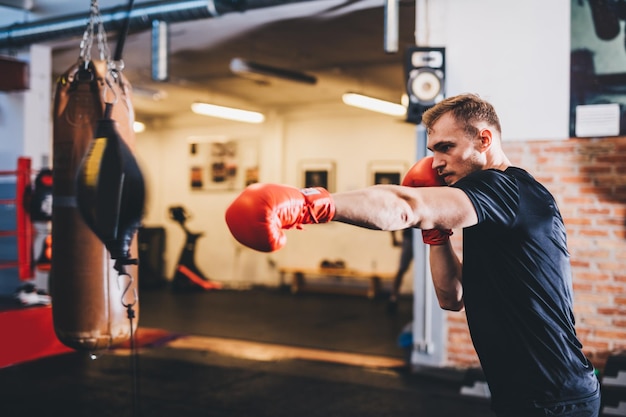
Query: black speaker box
425	71
151	248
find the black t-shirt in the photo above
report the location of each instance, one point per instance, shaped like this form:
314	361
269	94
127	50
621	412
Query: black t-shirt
517	290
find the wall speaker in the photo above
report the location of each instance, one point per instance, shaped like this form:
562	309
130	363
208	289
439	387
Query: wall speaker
425	74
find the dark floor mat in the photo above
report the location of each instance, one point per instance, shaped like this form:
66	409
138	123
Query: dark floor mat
185	384
179	381
324	321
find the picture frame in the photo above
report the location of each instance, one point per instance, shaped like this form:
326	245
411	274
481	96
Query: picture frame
386	172
317	173
219	163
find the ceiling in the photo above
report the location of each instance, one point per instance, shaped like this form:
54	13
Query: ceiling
340	42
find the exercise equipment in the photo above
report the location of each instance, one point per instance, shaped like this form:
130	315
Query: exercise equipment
151	254
40	204
40	211
613	385
187	275
33	208
90	296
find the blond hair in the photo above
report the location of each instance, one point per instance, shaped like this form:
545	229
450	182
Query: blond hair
467	109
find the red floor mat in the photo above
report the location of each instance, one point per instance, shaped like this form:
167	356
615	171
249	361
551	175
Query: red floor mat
27	334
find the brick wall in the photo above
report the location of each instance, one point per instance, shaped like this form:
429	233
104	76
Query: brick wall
588	180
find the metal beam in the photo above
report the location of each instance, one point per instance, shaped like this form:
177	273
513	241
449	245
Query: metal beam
141	18
18	4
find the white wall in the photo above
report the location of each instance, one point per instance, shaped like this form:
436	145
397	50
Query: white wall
513	53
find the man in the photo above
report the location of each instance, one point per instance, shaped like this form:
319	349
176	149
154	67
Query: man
515	279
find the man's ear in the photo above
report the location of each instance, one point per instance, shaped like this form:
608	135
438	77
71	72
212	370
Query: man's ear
486	139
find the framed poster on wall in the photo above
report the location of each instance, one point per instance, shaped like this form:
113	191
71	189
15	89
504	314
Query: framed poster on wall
386	172
221	164
317	173
597	75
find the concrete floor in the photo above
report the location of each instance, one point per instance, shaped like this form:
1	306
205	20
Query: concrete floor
329	355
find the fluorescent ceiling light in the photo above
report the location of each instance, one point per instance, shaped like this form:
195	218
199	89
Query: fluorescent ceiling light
229	113
374	104
260	72
138	127
149	93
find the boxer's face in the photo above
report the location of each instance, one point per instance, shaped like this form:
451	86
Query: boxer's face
455	154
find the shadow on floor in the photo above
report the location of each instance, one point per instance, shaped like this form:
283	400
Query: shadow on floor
326	321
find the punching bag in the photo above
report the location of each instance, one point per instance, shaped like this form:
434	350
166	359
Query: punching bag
88	306
110	192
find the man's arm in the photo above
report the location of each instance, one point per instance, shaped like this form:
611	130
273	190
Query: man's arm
396	207
259	215
447	275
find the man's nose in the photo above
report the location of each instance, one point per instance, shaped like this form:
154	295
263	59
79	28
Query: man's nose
437	162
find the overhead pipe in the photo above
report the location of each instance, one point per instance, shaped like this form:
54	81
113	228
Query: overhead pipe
160	50
392	24
141	17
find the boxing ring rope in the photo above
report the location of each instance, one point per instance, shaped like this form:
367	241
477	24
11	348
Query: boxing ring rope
23	231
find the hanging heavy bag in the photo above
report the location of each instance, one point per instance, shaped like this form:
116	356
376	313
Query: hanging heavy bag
88	309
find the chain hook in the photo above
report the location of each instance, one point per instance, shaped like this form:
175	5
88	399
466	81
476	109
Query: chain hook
127	289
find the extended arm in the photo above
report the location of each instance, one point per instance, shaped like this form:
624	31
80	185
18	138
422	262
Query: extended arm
395	207
259	215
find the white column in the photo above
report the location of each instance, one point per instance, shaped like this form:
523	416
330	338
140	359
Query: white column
37	108
429	325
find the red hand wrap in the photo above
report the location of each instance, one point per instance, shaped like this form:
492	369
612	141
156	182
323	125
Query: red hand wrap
319	207
422	174
436	236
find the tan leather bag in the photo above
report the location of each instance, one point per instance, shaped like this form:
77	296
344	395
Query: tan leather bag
88	295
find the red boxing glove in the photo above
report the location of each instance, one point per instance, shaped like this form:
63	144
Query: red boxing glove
422	174
258	216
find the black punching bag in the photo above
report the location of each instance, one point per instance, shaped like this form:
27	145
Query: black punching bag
110	191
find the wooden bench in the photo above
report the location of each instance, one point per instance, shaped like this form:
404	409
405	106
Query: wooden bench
343	277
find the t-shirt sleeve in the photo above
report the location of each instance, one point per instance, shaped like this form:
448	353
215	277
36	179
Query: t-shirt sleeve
494	194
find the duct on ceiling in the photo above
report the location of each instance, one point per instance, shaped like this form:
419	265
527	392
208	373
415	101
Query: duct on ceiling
141	17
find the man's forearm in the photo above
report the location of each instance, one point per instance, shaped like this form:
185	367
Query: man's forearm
446	270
